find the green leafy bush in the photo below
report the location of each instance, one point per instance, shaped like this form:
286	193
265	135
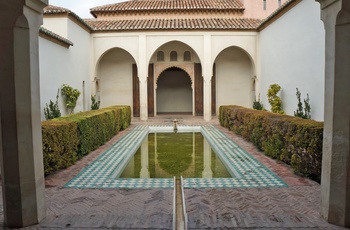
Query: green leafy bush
67	139
70	96
94	103
257	104
274	100
293	140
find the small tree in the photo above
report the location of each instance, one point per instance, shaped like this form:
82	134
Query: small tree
274	100
300	111
303	111
94	103
307	107
70	97
257	104
52	110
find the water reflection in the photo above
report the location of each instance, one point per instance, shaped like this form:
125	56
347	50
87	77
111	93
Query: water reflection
165	155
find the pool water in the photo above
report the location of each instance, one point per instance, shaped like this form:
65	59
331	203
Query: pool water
165	155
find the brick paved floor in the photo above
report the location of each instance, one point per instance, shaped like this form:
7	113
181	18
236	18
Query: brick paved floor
294	207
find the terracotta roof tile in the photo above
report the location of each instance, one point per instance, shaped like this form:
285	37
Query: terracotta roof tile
169	5
174	24
55	36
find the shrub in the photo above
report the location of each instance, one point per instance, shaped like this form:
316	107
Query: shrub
94	103
70	97
52	110
274	100
295	141
257	104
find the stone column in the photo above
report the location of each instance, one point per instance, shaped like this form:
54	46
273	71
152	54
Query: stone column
335	181
207	75
21	149
143	74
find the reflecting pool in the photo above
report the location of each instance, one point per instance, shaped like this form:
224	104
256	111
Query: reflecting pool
165	155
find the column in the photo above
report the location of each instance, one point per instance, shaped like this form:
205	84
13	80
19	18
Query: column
143	74
21	143
207	74
335	181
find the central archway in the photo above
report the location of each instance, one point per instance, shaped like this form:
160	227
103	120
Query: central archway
174	92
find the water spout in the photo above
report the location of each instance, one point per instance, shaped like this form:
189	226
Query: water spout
175	125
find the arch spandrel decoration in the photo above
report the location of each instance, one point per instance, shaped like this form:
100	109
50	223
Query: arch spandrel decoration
159	68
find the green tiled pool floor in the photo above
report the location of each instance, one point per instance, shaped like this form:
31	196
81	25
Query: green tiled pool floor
249	173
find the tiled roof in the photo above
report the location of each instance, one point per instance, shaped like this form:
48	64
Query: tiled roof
169	5
55	36
55	10
175	24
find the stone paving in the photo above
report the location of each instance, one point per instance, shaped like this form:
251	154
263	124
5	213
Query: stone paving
294	207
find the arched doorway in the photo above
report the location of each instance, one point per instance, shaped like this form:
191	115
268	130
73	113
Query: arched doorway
174	92
115	81
233	78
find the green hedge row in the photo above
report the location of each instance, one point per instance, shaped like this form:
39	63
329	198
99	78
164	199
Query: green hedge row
293	140
67	139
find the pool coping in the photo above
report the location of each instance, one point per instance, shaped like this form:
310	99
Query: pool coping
98	173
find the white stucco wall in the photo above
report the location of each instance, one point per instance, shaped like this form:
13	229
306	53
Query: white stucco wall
59	65
58	25
80	67
234	78
53	72
292	55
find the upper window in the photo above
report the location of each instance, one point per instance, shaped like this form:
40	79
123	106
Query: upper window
173	56
264	4
187	56
160	56
279	3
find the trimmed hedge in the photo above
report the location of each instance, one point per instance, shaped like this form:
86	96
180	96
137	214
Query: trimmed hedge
293	140
77	135
60	145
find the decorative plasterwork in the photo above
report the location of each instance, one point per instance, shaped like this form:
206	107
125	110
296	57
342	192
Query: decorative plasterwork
159	68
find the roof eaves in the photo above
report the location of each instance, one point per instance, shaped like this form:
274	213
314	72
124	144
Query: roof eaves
277	13
174	24
54	10
55	36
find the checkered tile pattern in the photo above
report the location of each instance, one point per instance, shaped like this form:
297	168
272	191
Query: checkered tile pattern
105	170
